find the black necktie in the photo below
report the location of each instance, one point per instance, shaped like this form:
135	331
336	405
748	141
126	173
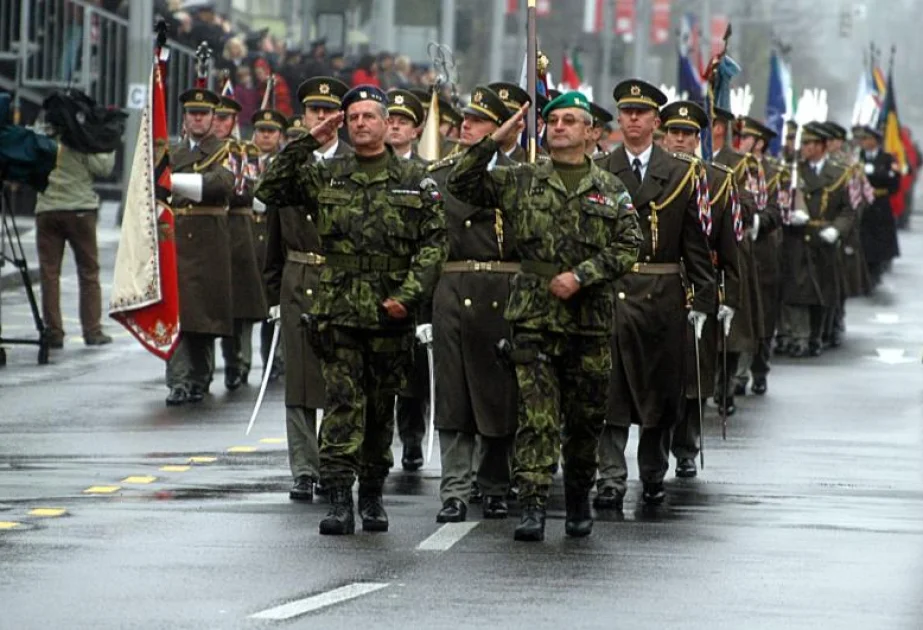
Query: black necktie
636	167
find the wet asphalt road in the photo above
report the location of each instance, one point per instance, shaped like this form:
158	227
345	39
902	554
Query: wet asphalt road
809	516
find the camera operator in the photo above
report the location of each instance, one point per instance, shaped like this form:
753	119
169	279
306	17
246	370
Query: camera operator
66	212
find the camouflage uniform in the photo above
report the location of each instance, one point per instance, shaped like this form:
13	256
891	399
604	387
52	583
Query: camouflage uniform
560	348
383	237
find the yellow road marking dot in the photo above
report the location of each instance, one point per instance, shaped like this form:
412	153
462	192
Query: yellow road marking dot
272	441
139	479
241	449
102	489
9	525
47	512
175	468
202	459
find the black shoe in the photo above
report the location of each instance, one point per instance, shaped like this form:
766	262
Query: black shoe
275	374
740	389
99	339
759	385
245	377
653	493
531	526
372	511
453	511
412	459
728	408
177	396
340	520
496	507
196	394
608	499
320	489
303	490
798	350
815	349
686	468
476	496
579	520
232	380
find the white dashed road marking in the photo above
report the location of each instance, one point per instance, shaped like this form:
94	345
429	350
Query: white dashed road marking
322	600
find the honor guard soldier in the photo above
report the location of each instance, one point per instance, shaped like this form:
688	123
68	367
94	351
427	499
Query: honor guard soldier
514	97
202	186
575	232
405	123
822	213
248	299
601	118
382	231
292	275
755	138
683	123
652	318
878	229
477	394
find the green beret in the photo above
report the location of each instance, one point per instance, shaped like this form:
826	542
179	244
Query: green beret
568	99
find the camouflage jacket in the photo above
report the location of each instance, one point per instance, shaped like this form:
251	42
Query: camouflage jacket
383	237
592	231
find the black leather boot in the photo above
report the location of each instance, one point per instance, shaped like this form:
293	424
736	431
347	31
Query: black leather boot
372	510
340	520
579	519
531	526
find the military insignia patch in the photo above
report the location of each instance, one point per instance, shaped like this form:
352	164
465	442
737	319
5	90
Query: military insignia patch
504	94
199	96
267	116
635	90
324	88
683	111
478	97
399	99
599	199
363	94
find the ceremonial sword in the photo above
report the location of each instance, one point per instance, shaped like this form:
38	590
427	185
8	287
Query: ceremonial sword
267	369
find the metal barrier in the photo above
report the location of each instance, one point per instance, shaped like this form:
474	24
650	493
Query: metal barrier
9	29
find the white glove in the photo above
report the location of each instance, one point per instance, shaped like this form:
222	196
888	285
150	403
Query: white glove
830	234
726	316
869	168
755	230
697	319
800	217
425	334
275	313
258	206
188	185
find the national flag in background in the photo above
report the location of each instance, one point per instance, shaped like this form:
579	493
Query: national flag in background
866	108
571	71
690	80
890	125
777	105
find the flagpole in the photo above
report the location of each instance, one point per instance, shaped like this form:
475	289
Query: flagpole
531	77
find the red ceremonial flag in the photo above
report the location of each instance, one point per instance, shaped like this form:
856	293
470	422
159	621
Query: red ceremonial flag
719	26
512	7
625	18
145	291
569	76
543	8
660	22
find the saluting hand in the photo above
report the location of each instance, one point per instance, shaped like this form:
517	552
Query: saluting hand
510	128
325	130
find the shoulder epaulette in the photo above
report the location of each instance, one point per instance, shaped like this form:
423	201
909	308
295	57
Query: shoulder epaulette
446	161
722	167
686	157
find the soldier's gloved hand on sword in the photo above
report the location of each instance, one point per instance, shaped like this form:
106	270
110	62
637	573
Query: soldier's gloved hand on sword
830	234
726	316
424	334
800	217
697	319
275	313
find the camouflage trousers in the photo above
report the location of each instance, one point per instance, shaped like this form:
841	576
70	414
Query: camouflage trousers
363	370
563	386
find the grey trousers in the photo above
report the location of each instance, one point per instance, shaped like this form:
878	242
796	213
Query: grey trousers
687	435
653	457
193	362
807	323
301	430
238	350
460	460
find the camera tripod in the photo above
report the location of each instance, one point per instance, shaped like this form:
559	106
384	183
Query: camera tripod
11	251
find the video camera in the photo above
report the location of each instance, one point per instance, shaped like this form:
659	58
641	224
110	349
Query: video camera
26	157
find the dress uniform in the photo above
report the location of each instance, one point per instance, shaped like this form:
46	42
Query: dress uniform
295	128
203	254
248	299
566	219
723	241
878	229
648	344
514	97
412	402
601	119
292	275
382	230
476	405
813	236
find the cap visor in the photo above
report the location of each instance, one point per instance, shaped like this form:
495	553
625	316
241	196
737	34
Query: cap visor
309	102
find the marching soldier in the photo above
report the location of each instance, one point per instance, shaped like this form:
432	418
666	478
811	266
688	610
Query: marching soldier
202	186
477	394
248	299
755	138
878	230
405	123
295	128
812	236
683	122
576	232
292	276
651	315
601	118
382	230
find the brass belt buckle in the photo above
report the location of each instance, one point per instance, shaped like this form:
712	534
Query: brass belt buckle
481	266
